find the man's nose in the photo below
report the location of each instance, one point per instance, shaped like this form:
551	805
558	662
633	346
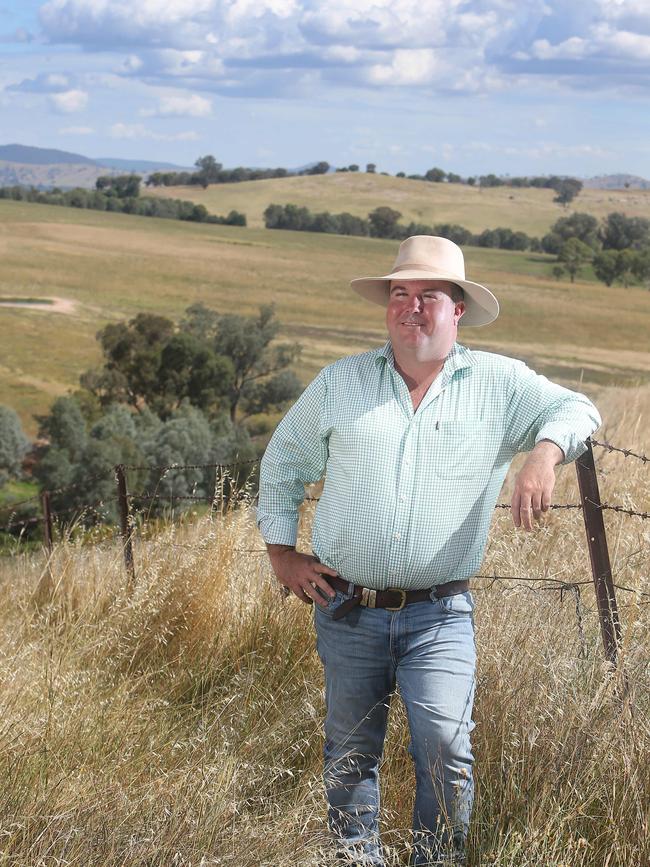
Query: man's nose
415	303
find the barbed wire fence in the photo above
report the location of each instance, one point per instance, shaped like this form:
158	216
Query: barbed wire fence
590	504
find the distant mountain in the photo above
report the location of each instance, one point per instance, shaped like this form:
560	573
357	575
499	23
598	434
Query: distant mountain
617	182
47	167
30	156
141	165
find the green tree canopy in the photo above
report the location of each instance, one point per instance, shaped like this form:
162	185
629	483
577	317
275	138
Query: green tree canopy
14	445
620	231
573	255
566	190
383	222
120	186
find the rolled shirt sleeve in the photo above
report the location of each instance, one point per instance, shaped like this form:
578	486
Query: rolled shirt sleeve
295	456
539	409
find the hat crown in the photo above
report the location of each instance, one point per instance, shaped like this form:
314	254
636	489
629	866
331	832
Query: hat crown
433	254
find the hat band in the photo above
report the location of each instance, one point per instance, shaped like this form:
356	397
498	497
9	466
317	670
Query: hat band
416	266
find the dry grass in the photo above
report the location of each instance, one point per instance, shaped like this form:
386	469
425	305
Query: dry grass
179	723
530	210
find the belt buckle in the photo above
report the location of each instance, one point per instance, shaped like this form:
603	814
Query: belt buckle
403	601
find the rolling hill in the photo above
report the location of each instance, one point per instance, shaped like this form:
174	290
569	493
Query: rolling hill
527	209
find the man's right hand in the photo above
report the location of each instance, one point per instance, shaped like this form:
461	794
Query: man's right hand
301	573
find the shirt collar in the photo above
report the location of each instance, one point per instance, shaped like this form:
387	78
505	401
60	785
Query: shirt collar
458	358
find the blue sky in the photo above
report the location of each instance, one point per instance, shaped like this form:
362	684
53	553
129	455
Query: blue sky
472	86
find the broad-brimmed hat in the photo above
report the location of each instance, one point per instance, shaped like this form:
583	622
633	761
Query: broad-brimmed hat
428	257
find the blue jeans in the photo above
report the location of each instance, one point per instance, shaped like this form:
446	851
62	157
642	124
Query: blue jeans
427	650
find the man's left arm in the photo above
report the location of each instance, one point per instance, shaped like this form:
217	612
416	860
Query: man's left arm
553	423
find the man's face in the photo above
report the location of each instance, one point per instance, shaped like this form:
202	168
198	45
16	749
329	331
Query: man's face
422	318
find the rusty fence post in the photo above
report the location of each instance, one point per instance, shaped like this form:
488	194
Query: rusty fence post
47	519
126	526
610	624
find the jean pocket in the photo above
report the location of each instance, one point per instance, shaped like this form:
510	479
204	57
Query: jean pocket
459	603
334	603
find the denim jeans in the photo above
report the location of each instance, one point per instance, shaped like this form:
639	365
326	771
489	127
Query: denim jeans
427	650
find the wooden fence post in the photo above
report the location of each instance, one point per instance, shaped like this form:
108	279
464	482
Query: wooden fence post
126	527
610	625
47	519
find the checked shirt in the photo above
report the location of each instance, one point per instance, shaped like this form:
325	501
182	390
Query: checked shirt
408	497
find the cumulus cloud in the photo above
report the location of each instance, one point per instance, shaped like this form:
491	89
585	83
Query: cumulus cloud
69	101
180	106
406	66
139	131
43	83
280	46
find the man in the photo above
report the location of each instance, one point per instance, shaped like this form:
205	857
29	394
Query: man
414	441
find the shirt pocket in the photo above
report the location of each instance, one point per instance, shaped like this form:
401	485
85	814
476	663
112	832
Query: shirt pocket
460	448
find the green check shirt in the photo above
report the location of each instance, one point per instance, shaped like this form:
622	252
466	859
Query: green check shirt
408	497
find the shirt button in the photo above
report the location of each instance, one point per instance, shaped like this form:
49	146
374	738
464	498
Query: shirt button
402	499
397	537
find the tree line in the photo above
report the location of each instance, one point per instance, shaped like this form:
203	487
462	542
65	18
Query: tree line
121	194
383	222
193	392
210	171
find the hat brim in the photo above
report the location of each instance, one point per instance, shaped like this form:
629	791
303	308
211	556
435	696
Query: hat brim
481	307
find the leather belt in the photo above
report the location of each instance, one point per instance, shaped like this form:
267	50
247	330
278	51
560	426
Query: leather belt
392	599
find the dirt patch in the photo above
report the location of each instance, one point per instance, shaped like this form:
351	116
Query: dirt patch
52	305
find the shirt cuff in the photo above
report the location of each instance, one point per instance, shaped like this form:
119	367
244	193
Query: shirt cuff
276	530
567	440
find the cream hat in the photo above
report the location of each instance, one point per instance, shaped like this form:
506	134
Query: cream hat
427	257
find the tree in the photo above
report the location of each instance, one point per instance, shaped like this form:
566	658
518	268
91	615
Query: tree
120	186
132	360
209	170
573	255
567	189
619	231
320	168
191	371
641	266
557	271
383	222
371	168
435	175
14	445
606	266
353	167
577	225
246	341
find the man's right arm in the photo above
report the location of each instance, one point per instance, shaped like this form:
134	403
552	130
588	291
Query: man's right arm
295	456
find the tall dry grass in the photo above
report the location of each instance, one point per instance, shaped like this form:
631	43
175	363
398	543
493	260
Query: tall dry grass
178	722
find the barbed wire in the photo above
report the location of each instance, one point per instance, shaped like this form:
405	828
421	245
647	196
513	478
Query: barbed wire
167	467
628	453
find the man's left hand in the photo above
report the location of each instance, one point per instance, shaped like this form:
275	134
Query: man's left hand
534	484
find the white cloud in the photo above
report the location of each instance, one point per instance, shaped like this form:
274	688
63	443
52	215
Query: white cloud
258	47
139	131
415	66
76	130
180	106
70	101
573	48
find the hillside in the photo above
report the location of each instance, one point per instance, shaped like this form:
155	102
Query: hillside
527	209
112	266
